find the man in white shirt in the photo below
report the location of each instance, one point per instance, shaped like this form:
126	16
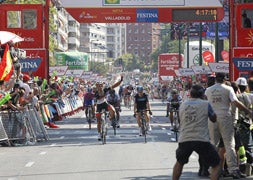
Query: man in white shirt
220	97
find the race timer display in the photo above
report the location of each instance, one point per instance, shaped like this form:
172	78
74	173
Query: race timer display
194	14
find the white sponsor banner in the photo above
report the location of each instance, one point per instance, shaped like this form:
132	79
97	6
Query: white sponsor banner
167	78
201	70
86	75
74	72
177	72
58	70
186	71
140	3
219	67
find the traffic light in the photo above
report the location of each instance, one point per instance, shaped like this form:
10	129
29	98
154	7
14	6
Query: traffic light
110	54
120	61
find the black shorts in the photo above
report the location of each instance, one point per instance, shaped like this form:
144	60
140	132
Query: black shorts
205	150
104	105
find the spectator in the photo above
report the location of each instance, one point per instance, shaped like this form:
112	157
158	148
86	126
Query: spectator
220	97
194	114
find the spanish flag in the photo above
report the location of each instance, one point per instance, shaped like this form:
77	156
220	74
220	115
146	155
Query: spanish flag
6	66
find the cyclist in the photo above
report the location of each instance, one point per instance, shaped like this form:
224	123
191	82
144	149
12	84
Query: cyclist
101	102
174	101
141	102
89	101
164	92
128	90
114	99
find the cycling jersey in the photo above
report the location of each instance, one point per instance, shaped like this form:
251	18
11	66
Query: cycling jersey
175	103
141	101
101	98
88	99
113	99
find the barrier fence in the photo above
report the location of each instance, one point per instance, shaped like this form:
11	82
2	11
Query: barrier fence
27	127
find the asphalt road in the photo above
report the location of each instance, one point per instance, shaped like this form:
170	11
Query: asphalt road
74	153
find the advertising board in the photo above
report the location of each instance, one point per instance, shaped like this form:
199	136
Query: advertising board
168	63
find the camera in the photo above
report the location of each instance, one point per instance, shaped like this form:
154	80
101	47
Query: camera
20	53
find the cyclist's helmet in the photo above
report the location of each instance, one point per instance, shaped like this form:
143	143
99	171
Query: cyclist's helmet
173	91
139	89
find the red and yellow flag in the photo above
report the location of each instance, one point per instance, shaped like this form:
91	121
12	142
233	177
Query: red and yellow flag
6	66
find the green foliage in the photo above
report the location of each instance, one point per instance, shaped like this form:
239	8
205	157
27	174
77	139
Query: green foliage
100	68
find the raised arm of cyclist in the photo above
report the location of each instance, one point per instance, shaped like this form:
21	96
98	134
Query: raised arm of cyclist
101	102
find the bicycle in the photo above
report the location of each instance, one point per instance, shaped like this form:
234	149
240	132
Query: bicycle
144	127
115	120
127	101
176	123
89	115
104	125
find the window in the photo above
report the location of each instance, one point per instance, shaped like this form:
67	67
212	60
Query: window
14	19
247	16
29	19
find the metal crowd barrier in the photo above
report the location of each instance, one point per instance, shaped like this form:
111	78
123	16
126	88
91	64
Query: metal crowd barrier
37	123
27	127
23	127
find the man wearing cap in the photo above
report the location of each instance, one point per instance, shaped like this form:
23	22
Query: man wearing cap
244	132
220	97
25	85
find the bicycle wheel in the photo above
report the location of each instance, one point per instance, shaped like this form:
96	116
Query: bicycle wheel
89	117
114	125
176	125
104	129
144	129
103	138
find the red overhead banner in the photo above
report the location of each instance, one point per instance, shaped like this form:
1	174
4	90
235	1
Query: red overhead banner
152	15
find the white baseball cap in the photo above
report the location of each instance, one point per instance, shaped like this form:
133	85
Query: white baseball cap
242	81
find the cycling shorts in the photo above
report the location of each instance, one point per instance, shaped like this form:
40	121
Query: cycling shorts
89	102
104	105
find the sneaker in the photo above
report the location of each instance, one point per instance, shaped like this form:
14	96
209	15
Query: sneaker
140	131
224	173
236	174
99	137
203	173
117	124
52	125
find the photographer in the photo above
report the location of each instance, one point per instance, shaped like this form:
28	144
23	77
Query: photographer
15	59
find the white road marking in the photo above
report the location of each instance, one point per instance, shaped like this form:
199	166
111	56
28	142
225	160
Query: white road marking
43	153
29	164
